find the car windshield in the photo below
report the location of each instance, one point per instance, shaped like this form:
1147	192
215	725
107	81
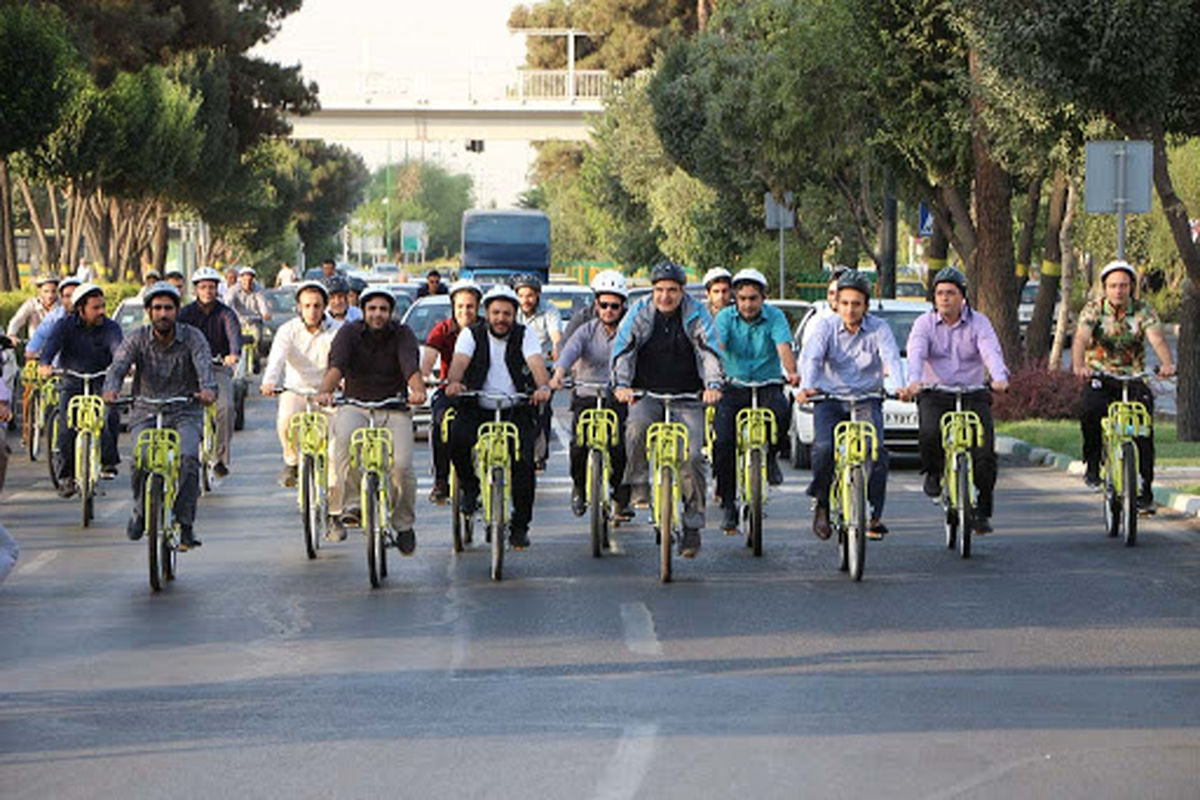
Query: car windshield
423	316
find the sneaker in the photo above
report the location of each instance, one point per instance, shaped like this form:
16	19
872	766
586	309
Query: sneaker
518	538
406	541
288	476
774	474
691	543
1092	477
66	488
187	538
220	470
982	526
108	471
933	485
1145	504
134	528
335	531
438	494
876	530
820	525
730	522
351	517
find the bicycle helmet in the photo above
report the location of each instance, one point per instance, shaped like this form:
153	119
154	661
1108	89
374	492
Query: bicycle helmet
527	279
716	274
501	292
465	285
377	291
853	279
1115	266
336	284
82	293
951	275
610	282
206	274
317	285
749	275
668	271
162	287
44	279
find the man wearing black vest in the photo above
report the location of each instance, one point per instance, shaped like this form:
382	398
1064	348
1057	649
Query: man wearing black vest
500	356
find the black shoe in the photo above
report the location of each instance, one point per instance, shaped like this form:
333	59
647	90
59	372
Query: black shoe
821	527
690	544
982	526
351	517
187	538
1145	503
287	476
518	538
406	541
335	531
933	485
135	528
108	471
578	503
876	530
66	488
774	474
730	522
1092	477
438	494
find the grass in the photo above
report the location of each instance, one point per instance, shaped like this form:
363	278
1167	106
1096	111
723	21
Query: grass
1064	436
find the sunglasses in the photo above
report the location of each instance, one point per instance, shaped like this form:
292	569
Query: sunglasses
609	306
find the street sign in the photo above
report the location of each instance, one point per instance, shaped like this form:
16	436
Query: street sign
780	217
1118	177
924	221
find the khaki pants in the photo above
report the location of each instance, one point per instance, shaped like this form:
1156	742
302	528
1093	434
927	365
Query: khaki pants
344	480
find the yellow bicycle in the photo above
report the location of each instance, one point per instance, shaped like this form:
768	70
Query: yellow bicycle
757	431
961	431
597	430
86	414
1127	420
667	449
493	466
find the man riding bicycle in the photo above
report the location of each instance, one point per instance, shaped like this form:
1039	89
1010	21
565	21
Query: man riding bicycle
718	289
498	355
589	350
378	358
83	341
953	345
464	304
667	345
757	344
221	328
172	359
298	359
846	356
1111	336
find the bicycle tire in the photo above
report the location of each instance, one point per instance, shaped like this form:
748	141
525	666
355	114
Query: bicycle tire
966	511
308	505
596	494
83	480
1129	511
456	515
756	501
153	520
370	525
856	530
665	522
54	456
496	523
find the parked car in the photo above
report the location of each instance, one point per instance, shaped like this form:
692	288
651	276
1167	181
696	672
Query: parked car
899	417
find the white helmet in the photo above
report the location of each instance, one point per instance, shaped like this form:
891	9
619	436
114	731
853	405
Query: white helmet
83	290
749	275
501	292
206	274
716	274
1115	266
610	282
465	284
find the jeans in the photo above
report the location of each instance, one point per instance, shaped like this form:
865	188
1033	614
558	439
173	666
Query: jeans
467	420
733	400
931	405
826	415
642	414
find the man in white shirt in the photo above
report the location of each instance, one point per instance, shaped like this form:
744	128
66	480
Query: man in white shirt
298	358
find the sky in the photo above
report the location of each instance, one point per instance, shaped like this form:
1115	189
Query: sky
378	52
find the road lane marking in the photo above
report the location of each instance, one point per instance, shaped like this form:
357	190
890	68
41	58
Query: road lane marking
627	768
37	562
638	624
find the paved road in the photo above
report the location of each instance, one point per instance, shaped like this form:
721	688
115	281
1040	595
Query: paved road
1053	663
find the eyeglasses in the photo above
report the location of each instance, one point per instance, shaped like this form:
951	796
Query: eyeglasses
608	306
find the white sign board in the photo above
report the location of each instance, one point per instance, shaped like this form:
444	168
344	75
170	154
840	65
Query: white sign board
1117	170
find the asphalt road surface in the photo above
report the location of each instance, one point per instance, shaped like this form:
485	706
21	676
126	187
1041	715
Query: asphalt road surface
1053	663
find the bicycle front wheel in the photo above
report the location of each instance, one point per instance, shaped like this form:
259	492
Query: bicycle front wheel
596	498
966	512
665	521
1129	476
856	529
54	455
83	478
496	523
756	501
310	509
370	526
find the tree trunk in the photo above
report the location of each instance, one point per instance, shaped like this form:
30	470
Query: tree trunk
11	278
1029	216
1068	275
994	270
1037	335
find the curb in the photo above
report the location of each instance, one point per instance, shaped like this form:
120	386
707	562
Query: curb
1188	504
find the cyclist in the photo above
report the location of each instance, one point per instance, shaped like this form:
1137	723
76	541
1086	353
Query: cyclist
953	344
667	344
590	352
464	303
340	309
84	341
757	346
247	301
718	289
298	359
1111	336
433	284
31	313
172	359
378	357
221	328
543	319
847	355
500	356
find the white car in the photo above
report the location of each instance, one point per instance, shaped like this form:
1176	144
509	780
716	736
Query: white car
899	417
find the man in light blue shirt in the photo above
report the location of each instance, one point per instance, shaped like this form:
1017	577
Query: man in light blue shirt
847	356
757	346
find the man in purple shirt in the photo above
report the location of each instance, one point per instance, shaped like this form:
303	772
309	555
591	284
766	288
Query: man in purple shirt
952	345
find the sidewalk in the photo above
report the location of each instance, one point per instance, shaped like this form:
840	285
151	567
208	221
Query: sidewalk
1021	451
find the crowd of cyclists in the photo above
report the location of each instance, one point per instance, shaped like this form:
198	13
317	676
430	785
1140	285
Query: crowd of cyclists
508	342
